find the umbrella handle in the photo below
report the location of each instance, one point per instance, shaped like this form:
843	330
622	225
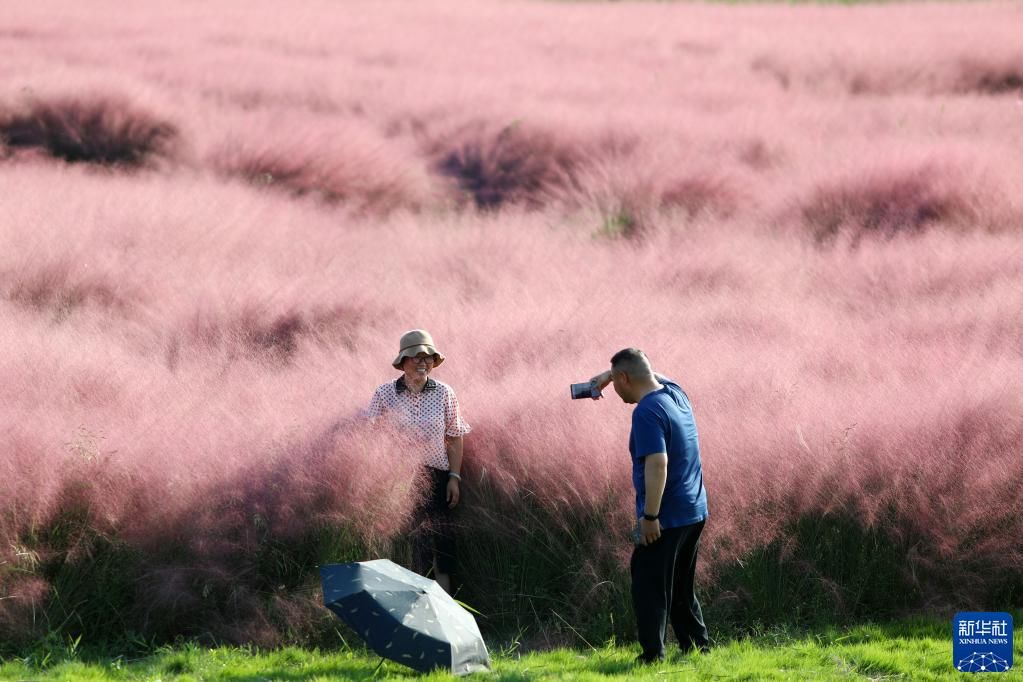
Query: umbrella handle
378	667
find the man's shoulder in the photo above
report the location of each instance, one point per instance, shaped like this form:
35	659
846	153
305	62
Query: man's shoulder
674	389
668	383
667	401
668	388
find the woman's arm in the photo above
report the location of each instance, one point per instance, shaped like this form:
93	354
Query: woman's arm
454	448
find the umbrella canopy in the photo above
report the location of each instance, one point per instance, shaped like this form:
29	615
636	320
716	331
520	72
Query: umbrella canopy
404	616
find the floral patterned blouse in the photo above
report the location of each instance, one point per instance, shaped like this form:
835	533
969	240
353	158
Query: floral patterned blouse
432	413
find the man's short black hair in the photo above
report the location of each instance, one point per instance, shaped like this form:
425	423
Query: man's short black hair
632	361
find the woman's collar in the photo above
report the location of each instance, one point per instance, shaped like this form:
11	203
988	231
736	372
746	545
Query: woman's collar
400	386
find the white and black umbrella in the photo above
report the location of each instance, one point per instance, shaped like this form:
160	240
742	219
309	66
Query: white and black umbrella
405	617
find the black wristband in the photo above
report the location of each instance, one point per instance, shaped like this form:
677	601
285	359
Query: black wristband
651	517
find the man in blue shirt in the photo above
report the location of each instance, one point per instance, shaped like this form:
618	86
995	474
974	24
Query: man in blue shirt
671	504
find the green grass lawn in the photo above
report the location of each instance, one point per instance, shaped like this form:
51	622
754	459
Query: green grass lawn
916	650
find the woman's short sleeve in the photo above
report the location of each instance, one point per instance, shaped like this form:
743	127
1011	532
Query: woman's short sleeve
454	424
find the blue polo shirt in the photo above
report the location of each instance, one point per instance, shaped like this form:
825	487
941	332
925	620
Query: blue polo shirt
663	422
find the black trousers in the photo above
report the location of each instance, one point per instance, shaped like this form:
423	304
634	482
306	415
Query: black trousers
662	589
433	533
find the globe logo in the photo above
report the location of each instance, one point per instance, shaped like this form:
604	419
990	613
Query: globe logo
983	663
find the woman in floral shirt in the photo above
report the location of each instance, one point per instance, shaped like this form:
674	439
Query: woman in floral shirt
429	410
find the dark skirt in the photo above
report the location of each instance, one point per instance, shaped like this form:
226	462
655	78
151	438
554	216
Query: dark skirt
433	526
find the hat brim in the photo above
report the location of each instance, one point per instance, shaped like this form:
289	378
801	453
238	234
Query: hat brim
413	351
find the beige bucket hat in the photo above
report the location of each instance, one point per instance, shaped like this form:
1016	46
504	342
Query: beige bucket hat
413	343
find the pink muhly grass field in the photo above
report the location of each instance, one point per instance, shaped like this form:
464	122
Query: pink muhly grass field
218	220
